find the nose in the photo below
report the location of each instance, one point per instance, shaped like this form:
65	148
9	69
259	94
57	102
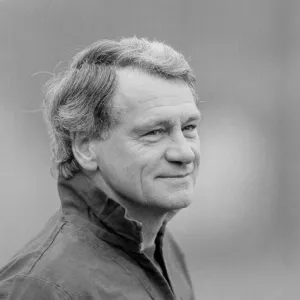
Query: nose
180	151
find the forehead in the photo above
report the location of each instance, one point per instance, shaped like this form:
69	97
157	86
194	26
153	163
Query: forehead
141	96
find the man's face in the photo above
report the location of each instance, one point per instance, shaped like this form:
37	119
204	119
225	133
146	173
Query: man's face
152	156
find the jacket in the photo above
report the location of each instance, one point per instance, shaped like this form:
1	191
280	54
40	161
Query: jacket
90	249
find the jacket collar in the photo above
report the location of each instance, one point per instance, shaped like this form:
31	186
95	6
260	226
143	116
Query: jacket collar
108	219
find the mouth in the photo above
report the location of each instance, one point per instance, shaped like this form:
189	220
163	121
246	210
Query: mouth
175	176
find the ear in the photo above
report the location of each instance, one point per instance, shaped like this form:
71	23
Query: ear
83	152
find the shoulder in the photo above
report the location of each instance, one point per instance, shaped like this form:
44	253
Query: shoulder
29	287
57	264
75	265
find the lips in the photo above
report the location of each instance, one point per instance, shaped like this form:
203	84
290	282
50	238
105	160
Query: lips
174	176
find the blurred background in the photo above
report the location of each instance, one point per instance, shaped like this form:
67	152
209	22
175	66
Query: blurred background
240	235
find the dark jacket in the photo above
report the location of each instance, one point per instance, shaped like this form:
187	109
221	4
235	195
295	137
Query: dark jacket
90	249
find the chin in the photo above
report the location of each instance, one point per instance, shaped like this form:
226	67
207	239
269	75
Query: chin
175	202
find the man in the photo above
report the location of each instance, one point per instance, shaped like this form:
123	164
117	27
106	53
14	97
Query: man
123	124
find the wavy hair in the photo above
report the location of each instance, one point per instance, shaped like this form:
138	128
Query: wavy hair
80	98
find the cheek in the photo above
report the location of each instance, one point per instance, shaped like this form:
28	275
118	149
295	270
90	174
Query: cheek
130	161
146	165
135	160
196	147
197	151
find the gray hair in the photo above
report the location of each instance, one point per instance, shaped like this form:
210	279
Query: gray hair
80	98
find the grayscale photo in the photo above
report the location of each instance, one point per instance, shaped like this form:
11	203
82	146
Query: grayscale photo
149	150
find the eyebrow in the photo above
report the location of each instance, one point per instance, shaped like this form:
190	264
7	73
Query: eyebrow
152	122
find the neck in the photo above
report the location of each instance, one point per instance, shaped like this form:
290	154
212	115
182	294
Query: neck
150	218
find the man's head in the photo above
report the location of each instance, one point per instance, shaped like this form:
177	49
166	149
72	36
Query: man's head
125	112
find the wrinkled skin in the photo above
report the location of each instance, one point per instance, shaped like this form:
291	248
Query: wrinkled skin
152	156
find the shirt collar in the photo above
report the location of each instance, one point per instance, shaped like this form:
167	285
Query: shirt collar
108	219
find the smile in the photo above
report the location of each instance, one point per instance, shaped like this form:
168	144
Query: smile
174	176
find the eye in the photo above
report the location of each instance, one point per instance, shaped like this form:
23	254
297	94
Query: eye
190	127
155	132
